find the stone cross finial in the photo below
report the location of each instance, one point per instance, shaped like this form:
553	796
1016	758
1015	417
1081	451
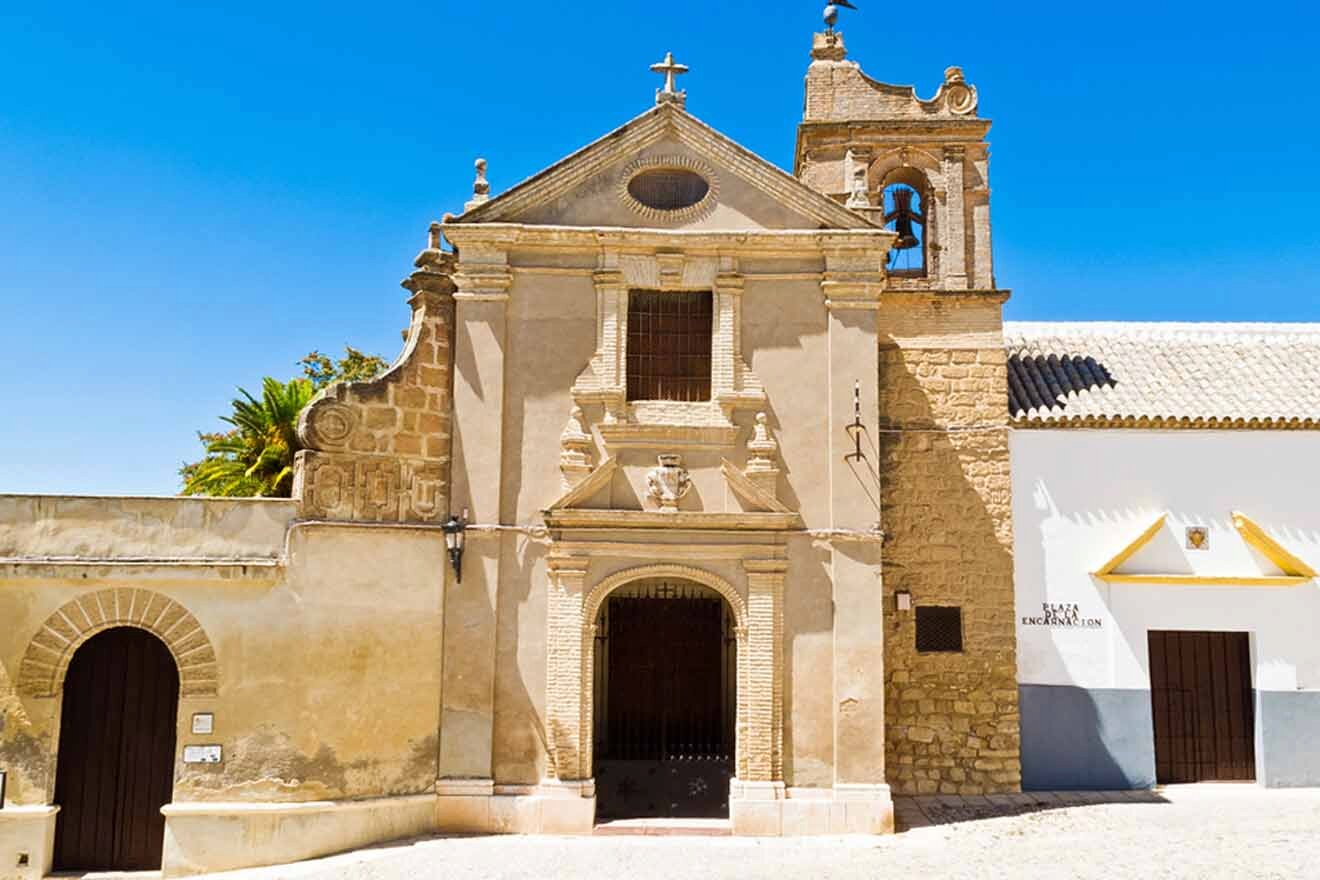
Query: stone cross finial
670	69
480	187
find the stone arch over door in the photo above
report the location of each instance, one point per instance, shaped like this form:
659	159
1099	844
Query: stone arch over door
44	665
571	644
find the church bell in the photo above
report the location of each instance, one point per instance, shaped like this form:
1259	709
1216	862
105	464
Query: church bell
903	217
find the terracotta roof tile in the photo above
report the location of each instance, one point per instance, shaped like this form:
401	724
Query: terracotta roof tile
1153	374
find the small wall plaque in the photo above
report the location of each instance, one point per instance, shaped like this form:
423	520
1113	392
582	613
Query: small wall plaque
201	754
1198	538
203	722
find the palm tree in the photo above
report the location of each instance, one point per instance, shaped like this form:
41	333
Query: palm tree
255	457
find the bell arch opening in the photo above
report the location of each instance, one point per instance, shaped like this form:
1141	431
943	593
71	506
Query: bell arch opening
664	694
905	195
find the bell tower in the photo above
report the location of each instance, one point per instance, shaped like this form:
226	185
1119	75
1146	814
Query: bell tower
946	575
922	164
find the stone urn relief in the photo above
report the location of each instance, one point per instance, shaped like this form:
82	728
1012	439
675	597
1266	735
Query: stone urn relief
668	482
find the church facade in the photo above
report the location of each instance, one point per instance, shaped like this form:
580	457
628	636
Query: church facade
692	494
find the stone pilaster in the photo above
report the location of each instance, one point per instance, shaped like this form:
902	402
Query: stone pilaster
954	241
611	341
482	281
727	345
568	673
763	674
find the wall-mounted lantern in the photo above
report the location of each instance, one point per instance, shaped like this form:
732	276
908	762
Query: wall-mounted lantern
455	529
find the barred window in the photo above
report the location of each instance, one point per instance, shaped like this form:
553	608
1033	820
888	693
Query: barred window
669	345
939	629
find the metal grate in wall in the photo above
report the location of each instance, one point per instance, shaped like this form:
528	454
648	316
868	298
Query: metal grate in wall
669	340
939	628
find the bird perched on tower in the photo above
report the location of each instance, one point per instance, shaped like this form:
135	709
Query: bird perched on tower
832	13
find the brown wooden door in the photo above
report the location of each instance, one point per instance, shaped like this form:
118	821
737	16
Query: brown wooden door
116	756
1202	700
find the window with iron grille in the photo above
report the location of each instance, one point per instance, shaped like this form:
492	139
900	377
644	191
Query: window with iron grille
669	345
939	629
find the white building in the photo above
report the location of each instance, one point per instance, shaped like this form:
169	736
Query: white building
1167	519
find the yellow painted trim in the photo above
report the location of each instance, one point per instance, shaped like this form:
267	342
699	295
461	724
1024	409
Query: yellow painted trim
1131	549
1198	580
1295	572
1254	535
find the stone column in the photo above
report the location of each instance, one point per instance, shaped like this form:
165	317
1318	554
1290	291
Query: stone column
955	225
482	282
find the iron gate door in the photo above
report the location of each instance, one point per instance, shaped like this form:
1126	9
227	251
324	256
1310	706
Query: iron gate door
665	742
115	766
1201	697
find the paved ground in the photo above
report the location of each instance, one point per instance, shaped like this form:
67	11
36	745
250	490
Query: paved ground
1188	832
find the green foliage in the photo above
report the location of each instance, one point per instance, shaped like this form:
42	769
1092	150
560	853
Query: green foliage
354	366
255	457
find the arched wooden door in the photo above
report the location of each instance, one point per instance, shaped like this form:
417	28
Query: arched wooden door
115	767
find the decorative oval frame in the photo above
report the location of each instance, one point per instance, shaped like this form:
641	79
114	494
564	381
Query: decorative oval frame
684	163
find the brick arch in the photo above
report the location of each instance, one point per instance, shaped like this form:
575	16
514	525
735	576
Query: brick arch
41	673
601	591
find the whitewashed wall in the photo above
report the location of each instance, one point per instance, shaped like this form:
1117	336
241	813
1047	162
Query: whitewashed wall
1080	496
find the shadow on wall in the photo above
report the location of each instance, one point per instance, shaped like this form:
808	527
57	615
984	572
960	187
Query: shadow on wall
1076	738
947	520
1086	738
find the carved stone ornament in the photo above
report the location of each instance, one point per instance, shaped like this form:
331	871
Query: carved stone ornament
575	448
762	456
959	97
668	482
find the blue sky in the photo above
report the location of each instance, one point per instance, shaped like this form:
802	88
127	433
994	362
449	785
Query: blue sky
191	198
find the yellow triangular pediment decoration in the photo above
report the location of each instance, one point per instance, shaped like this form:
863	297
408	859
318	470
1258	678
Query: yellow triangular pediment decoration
1295	571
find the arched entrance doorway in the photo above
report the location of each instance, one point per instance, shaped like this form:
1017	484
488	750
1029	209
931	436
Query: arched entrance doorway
115	766
664	692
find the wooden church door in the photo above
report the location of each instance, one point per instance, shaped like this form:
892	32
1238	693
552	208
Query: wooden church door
115	766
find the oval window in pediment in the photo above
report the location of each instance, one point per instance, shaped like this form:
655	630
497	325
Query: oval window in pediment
668	189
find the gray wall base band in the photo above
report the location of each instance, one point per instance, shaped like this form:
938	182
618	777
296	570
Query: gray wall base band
1086	738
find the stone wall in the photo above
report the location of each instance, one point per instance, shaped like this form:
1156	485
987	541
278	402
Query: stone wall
952	718
379	451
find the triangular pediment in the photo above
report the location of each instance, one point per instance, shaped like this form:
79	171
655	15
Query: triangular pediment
1160	556
590	188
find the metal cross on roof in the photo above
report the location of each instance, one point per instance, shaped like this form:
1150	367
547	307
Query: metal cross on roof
670	69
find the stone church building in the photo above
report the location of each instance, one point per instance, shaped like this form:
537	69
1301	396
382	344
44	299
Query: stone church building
690	495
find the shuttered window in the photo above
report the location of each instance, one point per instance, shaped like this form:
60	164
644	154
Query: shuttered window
669	340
